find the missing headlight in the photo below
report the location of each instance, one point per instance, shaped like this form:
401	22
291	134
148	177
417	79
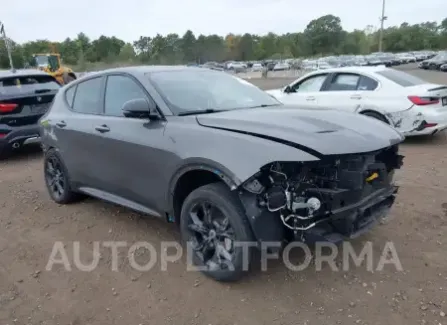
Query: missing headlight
304	194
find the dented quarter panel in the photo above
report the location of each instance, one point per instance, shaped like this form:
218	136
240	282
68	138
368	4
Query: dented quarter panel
405	121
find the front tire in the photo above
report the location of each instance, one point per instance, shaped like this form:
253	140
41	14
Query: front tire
57	180
212	223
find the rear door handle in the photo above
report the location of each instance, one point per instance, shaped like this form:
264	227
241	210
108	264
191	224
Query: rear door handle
310	98
61	124
102	128
356	97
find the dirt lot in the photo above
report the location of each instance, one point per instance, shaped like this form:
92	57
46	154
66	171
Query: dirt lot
30	224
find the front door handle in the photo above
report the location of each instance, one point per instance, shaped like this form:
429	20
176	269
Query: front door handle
61	124
356	97
102	128
310	98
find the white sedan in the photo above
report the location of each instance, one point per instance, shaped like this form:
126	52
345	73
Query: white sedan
412	105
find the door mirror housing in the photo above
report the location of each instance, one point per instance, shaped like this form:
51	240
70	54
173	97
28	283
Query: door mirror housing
288	89
140	108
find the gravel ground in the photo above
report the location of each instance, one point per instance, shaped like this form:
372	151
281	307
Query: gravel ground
30	224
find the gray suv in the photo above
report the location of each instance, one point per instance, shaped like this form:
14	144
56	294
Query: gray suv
219	157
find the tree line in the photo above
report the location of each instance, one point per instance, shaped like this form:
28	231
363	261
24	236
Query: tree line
322	36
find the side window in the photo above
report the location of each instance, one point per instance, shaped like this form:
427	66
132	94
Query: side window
367	83
69	95
313	83
88	96
120	89
344	82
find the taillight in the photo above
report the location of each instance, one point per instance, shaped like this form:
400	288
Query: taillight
6	108
422	101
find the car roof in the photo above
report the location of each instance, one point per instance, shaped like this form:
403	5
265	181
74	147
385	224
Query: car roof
139	70
151	68
372	69
21	73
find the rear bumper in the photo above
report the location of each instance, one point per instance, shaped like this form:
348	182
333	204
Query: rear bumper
354	220
20	136
429	130
430	118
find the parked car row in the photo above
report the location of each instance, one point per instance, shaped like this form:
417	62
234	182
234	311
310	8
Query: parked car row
373	59
438	62
230	164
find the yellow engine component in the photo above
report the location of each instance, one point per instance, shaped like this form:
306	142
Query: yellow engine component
372	177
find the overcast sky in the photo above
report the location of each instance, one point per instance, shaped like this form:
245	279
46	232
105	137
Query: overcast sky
128	19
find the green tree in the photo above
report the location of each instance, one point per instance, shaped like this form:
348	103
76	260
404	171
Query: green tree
188	46
322	36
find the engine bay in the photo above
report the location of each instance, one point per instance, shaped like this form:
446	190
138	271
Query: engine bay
305	194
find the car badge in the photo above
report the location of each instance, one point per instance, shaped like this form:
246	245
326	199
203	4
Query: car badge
39	99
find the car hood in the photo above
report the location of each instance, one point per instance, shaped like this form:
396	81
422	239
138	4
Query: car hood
275	92
318	131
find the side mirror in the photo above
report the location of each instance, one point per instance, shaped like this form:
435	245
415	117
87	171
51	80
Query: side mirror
289	89
140	108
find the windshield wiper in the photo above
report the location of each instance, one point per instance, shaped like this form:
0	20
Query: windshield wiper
264	105
201	111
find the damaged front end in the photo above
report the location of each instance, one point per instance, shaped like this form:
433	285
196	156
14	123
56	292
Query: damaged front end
331	199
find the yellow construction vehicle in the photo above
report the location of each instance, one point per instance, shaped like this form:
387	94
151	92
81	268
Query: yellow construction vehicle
51	63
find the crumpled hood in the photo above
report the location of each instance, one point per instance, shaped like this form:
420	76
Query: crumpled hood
325	131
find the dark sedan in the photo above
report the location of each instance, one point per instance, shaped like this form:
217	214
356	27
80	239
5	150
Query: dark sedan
435	62
221	158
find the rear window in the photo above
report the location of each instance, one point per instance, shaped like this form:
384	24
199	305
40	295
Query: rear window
402	78
27	84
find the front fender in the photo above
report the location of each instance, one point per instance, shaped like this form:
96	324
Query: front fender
238	155
198	163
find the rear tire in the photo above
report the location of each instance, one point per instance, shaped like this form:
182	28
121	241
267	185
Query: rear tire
57	180
203	241
377	116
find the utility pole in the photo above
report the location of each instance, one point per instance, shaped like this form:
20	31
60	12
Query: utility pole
382	19
7	45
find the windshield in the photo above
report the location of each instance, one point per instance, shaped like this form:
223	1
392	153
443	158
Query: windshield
41	60
47	61
27	84
402	78
441	56
192	90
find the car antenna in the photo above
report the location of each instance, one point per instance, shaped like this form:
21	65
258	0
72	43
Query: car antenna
7	45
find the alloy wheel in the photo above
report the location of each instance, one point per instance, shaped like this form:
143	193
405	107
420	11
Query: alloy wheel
211	236
55	178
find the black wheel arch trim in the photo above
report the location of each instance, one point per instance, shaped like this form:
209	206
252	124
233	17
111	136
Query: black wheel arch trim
198	164
366	111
